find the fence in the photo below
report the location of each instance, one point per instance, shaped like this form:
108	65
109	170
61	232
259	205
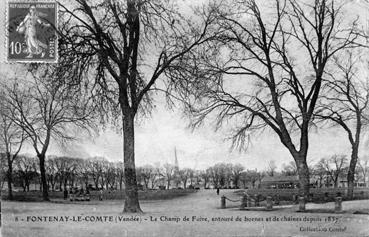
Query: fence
253	203
316	194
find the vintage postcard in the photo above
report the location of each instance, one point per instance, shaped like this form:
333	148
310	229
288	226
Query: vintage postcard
31	31
188	118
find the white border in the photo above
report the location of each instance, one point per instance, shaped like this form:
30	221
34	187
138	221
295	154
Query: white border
12	61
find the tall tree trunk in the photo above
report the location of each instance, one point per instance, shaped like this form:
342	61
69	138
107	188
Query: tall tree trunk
351	172
45	193
72	181
24	186
303	173
152	184
10	176
65	184
96	181
336	182
147	184
131	203
10	181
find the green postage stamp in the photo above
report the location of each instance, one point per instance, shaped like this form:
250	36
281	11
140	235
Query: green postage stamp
32	34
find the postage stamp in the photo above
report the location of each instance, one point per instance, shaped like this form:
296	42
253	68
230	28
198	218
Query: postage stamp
32	35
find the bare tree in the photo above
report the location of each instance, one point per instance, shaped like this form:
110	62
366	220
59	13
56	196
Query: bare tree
51	172
156	175
261	51
271	169
206	176
107	174
334	167
111	175
319	174
83	171
95	167
191	176
66	169
290	169
363	168
3	169
345	103
168	173
184	175
198	177
131	45
12	138
120	174
251	176
221	174
236	173
45	111
148	174
26	170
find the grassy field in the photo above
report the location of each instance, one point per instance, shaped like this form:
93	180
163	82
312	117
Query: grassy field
166	218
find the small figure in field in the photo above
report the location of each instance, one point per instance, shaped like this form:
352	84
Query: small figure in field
101	195
65	194
217	190
87	194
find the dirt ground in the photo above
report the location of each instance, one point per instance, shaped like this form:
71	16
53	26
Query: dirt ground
196	215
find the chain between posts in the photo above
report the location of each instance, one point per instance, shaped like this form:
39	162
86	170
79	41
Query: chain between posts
233	200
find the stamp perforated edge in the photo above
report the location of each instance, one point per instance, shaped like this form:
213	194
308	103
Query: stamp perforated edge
7	2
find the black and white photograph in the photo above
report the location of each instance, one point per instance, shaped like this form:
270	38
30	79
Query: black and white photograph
184	118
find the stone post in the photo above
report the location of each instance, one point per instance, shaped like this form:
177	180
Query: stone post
302	203
223	202
326	197
277	198
310	197
338	204
294	198
269	205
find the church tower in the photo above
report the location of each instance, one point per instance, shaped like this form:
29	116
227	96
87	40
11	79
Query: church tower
176	166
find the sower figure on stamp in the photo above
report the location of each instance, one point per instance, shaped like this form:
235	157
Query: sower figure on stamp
28	28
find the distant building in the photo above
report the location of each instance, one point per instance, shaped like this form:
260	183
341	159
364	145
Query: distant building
279	182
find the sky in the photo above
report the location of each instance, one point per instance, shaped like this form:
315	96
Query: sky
166	130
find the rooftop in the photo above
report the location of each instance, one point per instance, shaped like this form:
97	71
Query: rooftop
280	179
